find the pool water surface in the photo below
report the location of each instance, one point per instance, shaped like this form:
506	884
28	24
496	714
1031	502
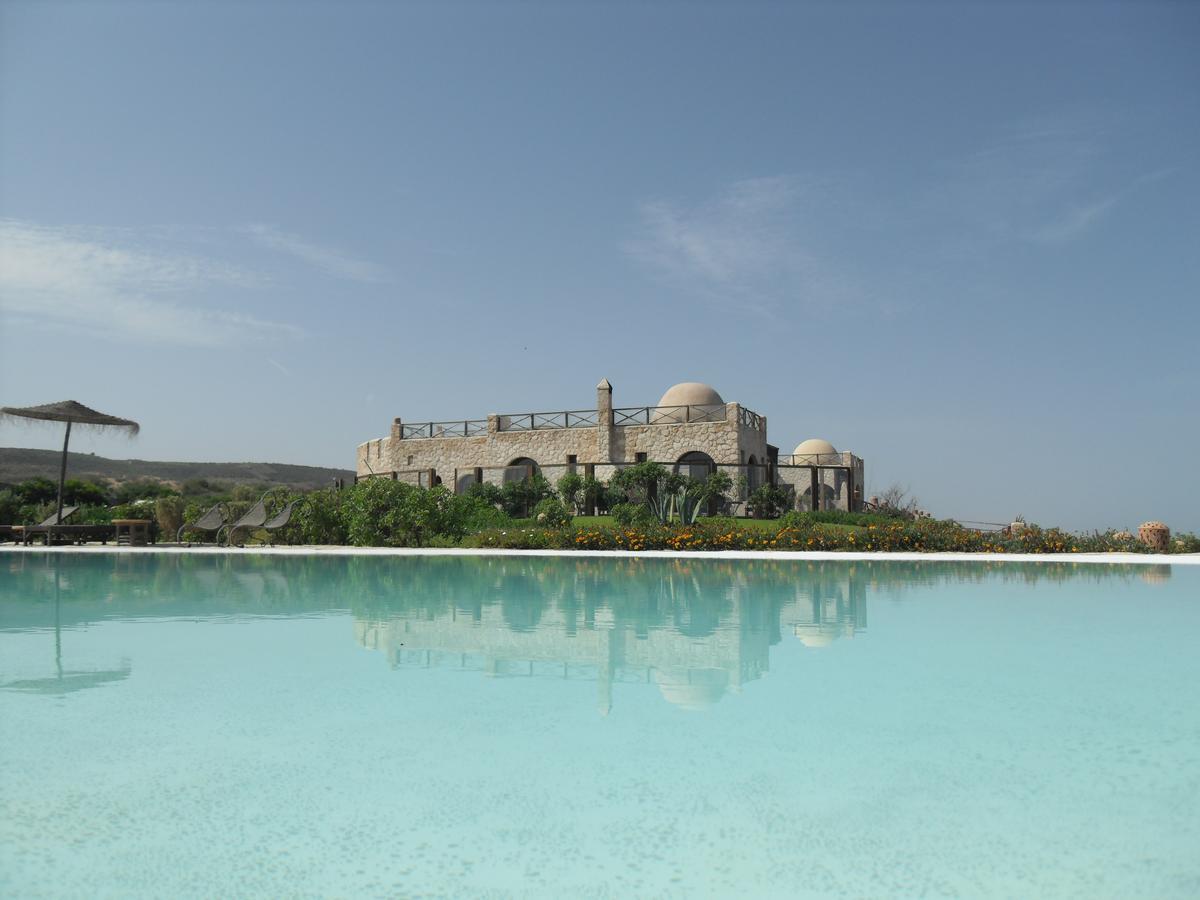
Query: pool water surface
203	726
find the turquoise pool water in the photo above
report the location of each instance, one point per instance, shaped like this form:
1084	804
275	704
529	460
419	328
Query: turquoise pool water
203	726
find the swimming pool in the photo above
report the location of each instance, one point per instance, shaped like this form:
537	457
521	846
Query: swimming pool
199	726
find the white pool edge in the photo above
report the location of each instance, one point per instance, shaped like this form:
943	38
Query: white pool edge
1185	559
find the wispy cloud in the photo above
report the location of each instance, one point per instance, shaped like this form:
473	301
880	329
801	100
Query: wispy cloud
328	259
112	283
1047	182
1073	223
751	244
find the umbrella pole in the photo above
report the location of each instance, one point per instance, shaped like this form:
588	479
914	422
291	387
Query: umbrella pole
62	476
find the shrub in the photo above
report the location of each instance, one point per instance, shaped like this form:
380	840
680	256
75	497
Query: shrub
84	493
518	498
485	492
570	489
551	513
319	517
804	518
639	481
896	502
479	514
518	539
1185	543
247	491
196	487
596	493
94	514
137	509
631	514
10	508
384	513
168	512
36	490
140	490
717	485
768	501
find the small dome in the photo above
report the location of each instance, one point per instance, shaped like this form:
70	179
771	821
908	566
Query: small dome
686	393
812	447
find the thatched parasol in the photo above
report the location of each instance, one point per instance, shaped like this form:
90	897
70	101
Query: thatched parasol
73	414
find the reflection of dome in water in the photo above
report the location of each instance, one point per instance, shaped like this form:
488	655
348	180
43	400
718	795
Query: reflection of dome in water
686	393
812	447
1156	574
693	689
816	636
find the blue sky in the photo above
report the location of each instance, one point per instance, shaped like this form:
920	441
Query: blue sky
960	240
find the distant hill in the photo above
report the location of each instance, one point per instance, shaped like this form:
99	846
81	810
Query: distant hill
18	464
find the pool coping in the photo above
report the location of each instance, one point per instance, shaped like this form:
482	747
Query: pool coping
822	555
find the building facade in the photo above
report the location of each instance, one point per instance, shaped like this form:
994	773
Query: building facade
691	429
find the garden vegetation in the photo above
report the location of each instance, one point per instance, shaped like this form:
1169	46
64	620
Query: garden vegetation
645	506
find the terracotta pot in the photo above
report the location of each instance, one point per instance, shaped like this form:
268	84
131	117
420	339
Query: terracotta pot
1155	535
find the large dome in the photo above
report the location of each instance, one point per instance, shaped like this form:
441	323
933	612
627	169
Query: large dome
688	393
813	447
691	393
692	689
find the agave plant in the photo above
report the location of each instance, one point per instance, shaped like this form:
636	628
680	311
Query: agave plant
689	502
662	505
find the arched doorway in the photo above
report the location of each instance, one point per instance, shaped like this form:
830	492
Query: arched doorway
521	468
754	474
696	465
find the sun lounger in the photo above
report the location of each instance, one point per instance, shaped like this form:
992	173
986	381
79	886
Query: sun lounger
23	533
70	534
255	517
280	519
213	520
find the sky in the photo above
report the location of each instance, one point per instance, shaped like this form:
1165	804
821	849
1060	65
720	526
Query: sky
960	240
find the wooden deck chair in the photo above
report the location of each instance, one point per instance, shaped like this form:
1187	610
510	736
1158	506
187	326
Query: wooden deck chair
213	520
22	533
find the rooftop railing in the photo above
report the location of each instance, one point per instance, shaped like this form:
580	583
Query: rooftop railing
581	418
840	460
460	428
669	415
750	419
572	418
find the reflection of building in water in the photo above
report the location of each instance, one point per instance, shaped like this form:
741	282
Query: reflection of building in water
826	609
694	654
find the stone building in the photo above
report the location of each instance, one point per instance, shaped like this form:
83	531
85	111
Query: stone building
691	429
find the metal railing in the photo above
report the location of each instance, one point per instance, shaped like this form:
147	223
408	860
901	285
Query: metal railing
669	415
838	460
542	421
461	428
579	418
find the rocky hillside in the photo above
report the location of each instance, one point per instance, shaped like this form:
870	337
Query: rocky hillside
18	464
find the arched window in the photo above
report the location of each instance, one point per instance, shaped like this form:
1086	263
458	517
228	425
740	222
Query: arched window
520	469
